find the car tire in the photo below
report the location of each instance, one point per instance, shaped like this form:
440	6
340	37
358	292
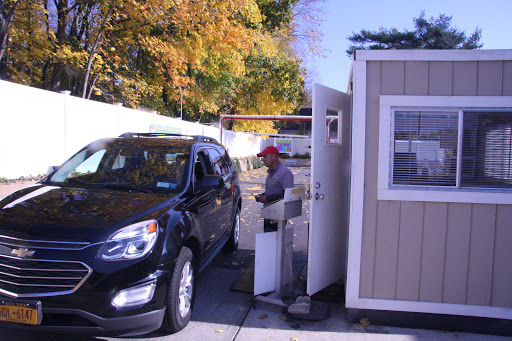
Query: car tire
181	294
232	243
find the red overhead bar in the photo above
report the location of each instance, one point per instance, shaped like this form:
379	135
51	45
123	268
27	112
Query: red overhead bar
268	118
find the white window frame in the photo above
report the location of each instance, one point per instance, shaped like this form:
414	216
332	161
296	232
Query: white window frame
390	104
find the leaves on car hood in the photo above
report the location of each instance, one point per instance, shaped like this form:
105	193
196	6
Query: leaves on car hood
67	206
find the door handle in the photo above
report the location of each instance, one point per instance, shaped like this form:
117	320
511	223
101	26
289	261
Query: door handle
319	196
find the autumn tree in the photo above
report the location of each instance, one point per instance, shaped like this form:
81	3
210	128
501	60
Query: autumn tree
220	56
93	50
434	33
306	34
50	42
276	14
28	43
7	11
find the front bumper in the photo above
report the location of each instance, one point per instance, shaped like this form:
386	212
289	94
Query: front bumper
79	322
89	311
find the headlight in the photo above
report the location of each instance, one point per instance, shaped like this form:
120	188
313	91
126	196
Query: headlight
134	296
130	242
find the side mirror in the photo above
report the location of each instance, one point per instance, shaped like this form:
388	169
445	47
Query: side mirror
211	182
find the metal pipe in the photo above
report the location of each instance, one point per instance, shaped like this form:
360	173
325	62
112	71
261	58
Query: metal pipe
273	117
268	118
284	135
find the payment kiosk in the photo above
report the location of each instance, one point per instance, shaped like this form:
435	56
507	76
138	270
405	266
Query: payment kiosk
274	250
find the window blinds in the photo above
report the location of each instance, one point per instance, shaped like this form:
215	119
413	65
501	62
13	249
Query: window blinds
425	148
487	150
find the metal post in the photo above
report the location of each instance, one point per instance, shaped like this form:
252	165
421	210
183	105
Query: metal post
220	127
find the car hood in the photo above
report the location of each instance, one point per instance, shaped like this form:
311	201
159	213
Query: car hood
77	207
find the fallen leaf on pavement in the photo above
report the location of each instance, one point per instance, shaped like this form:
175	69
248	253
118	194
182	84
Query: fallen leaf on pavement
364	322
264	316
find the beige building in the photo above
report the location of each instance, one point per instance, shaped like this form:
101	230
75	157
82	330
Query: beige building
430	222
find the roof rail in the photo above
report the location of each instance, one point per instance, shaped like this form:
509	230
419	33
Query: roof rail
192	137
204	138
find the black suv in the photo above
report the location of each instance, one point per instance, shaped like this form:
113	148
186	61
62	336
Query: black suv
110	243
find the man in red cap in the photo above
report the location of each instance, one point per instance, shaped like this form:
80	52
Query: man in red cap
279	177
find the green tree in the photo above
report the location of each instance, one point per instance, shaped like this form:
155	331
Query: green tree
276	13
434	33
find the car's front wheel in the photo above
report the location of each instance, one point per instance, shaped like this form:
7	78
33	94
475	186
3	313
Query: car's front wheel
181	293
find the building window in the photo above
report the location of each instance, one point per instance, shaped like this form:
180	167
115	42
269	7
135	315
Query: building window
487	150
332	126
426	149
445	149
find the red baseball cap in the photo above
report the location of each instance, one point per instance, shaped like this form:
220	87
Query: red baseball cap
269	150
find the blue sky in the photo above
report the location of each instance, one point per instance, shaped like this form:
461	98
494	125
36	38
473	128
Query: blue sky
342	18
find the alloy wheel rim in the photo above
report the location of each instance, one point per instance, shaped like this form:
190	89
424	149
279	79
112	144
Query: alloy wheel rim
236	232
186	286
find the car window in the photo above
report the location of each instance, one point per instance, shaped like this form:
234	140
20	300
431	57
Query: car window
83	163
202	166
218	164
155	167
91	164
225	156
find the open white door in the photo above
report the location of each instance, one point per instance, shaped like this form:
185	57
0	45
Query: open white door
329	188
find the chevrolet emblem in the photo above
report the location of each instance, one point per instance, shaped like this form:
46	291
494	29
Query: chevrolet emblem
22	252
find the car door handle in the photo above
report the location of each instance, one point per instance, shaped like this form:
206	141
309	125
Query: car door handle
187	213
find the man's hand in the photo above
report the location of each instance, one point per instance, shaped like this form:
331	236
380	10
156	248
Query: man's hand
261	198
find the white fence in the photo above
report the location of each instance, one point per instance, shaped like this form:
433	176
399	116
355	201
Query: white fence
40	128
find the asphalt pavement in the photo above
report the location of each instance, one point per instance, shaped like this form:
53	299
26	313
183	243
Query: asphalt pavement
225	310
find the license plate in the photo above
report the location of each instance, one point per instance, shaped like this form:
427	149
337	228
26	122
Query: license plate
21	311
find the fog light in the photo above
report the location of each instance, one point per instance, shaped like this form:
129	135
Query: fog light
134	296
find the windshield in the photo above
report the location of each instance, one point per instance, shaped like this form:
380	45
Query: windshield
121	164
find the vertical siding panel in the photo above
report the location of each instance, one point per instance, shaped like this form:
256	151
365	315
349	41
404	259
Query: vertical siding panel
386	249
433	252
507	78
440	78
392	78
370	198
502	272
409	251
465	78
458	232
490	78
481	254
416	78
